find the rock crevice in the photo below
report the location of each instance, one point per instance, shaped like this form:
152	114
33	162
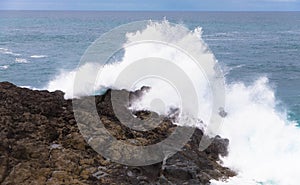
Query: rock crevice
41	144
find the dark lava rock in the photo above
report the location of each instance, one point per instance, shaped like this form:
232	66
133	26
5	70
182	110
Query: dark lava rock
41	144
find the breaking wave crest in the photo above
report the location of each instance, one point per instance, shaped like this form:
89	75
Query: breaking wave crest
264	145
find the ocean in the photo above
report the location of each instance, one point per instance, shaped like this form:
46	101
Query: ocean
259	54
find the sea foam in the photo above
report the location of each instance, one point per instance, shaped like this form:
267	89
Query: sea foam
264	145
38	56
4	67
6	51
21	60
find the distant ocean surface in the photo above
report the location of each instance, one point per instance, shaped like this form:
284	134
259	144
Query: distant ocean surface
36	47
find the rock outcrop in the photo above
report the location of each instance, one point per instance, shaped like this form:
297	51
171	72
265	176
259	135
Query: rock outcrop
41	144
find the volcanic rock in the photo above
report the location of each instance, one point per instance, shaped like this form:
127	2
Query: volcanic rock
42	144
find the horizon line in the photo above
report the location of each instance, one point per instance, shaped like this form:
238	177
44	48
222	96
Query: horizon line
155	10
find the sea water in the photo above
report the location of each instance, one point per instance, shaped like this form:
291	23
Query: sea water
258	53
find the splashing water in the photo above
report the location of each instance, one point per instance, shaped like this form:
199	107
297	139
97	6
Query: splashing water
264	146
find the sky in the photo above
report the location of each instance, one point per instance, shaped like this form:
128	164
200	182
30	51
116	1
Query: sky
153	5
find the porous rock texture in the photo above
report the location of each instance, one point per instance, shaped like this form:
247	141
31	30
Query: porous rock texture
40	143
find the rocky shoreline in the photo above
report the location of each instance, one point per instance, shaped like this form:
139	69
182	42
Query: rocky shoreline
41	144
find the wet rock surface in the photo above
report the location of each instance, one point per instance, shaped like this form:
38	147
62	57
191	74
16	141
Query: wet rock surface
41	144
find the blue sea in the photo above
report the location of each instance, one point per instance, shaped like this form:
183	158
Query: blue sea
36	46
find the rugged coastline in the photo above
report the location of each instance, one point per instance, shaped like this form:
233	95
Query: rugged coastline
41	144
